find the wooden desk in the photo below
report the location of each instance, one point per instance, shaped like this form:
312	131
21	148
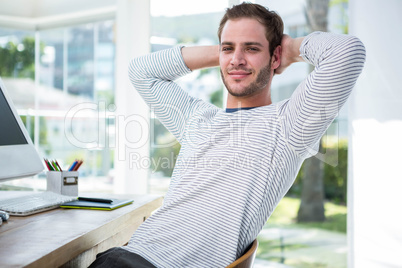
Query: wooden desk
70	237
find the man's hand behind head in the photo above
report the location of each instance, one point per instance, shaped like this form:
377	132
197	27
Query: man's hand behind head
289	52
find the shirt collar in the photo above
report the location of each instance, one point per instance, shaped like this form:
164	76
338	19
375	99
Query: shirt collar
232	110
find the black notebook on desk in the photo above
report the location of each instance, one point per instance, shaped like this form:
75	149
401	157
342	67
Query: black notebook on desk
116	203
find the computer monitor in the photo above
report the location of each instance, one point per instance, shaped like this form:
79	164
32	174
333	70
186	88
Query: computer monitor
18	156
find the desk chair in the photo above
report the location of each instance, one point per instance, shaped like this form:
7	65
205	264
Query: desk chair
247	260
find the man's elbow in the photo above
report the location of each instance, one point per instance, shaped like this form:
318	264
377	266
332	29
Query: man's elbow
136	71
357	51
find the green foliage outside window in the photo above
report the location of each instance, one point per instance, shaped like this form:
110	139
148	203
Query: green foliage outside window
164	159
217	98
18	60
335	177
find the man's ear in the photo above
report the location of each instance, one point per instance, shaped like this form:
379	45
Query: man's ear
276	58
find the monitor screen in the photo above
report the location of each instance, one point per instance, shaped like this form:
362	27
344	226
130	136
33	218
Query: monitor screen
11	134
18	156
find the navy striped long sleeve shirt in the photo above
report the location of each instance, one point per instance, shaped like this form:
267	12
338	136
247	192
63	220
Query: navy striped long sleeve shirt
234	168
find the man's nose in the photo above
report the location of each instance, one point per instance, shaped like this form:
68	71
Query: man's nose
238	58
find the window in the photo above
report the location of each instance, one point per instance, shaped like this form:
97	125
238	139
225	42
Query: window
64	104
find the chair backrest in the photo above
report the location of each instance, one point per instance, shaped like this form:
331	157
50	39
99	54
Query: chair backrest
247	260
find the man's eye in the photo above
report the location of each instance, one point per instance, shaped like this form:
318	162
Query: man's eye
252	49
226	48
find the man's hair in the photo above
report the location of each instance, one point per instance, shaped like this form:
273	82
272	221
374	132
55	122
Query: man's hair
269	19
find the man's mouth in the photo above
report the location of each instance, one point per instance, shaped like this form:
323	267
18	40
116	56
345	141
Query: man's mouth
238	74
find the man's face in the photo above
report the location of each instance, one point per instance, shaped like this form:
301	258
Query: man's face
244	57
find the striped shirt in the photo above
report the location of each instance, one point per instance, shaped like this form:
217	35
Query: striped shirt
234	168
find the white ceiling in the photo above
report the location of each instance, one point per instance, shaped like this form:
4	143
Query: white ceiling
45	14
43	8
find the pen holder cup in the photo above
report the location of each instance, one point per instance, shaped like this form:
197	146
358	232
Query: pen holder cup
63	182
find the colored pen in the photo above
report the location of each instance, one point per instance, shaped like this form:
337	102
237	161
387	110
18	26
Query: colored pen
58	165
47	164
54	166
73	165
78	165
50	165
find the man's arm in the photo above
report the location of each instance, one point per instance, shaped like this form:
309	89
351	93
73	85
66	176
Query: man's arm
338	61
153	77
201	57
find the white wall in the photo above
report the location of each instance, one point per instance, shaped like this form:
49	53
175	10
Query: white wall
375	138
132	114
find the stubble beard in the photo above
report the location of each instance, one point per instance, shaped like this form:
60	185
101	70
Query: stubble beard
256	86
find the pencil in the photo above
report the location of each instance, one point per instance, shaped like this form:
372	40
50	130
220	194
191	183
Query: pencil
47	164
54	166
78	165
58	165
73	165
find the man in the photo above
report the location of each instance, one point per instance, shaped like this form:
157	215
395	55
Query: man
235	165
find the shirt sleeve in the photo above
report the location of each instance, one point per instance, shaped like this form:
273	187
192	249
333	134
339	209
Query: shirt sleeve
338	61
153	77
